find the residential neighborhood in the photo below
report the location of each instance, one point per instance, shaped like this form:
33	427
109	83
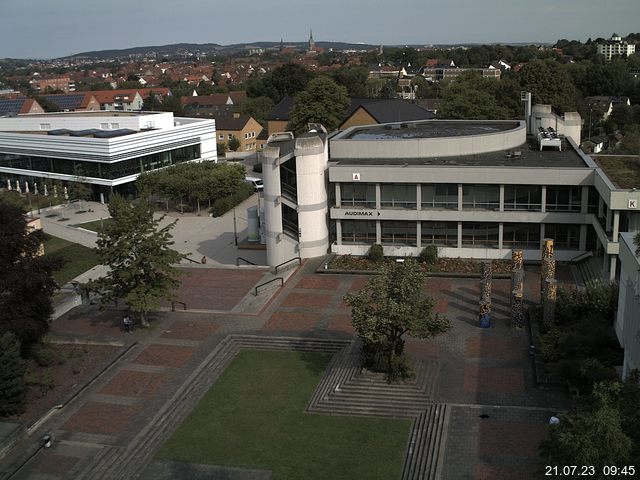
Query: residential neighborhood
310	258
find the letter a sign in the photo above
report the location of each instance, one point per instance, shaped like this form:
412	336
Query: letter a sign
356	177
633	203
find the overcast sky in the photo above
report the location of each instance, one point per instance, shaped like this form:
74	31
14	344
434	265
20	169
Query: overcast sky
54	28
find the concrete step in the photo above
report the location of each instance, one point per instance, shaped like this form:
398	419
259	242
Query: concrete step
426	444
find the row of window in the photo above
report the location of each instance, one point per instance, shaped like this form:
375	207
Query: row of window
474	197
474	234
110	171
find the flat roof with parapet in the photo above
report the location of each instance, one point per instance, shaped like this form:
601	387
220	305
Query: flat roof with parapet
527	155
429	129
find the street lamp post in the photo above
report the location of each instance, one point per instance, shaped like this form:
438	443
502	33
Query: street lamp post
235	227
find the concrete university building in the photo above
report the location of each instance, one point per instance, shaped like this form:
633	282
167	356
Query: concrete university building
475	189
108	150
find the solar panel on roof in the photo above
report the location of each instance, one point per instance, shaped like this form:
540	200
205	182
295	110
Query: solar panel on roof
9	106
114	133
69	101
84	133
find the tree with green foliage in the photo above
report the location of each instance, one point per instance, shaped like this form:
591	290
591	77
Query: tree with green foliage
12	369
258	108
286	80
549	83
391	305
353	78
233	144
26	279
138	253
80	189
152	103
592	436
323	101
470	98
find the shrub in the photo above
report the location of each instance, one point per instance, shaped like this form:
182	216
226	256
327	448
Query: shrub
376	254
46	356
42	382
12	368
429	254
222	205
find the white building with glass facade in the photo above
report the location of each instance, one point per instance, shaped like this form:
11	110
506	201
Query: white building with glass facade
108	150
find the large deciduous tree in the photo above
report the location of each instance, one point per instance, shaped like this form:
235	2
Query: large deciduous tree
391	305
138	253
26	281
323	101
592	436
549	83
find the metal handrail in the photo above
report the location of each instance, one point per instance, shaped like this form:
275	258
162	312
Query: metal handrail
173	305
288	261
255	290
244	260
582	256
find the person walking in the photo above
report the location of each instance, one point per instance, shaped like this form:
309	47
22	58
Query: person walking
127	323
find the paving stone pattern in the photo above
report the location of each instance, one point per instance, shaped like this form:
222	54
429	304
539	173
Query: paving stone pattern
113	429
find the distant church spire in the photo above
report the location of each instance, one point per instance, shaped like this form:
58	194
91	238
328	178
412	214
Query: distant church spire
281	44
312	44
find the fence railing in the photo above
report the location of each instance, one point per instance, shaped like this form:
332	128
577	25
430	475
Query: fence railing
248	262
287	262
280	279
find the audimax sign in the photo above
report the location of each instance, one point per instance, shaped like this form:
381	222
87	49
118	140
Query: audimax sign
360	213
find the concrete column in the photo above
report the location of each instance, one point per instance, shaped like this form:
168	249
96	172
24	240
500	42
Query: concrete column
272	204
541	234
544	199
338	232
460	193
378	232
419	234
517	308
459	234
338	195
616	225
501	203
419	196
584	204
500	234
612	268
600	207
583	237
378	198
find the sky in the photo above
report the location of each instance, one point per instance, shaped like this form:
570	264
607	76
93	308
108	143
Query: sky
49	29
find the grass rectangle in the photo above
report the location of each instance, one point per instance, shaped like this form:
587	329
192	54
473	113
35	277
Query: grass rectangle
79	258
253	417
94	225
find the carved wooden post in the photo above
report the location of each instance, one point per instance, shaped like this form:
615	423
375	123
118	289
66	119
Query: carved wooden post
517	308
548	266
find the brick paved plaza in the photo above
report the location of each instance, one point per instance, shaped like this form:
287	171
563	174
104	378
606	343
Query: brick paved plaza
481	371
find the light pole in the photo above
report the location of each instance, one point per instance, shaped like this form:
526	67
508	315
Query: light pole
235	228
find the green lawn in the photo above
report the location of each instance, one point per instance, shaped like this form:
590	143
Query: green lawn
79	258
94	225
253	417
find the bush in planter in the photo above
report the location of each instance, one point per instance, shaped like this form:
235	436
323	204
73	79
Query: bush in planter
429	255
376	254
